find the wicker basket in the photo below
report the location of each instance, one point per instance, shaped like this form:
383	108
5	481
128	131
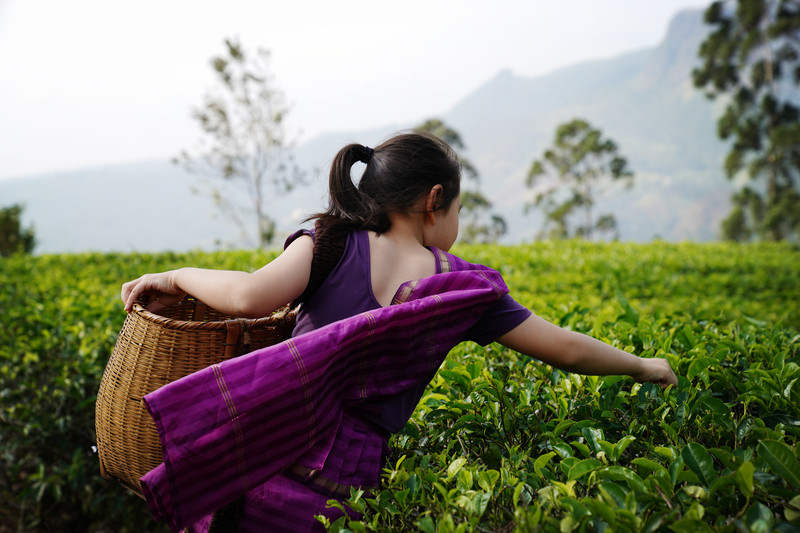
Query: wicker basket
154	350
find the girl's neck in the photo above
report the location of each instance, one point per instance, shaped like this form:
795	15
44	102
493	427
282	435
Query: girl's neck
398	256
405	232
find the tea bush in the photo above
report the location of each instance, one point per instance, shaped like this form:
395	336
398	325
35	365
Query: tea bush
59	318
499	442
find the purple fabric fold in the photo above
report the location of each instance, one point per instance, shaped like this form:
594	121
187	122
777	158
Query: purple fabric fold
230	427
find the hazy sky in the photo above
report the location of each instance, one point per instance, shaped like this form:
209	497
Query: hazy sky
95	82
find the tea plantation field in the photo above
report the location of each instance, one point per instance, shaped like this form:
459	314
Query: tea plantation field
500	442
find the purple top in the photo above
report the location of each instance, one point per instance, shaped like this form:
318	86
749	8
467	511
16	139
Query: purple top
347	291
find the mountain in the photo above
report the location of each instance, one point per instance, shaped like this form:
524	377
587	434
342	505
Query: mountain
644	100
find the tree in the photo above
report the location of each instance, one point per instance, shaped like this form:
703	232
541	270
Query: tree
245	140
13	238
580	165
480	224
751	57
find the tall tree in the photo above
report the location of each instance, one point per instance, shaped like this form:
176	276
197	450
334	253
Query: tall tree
480	224
13	237
580	164
245	140
751	56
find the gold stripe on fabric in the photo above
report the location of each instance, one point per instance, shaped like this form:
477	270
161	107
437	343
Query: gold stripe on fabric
444	261
301	368
239	437
405	292
492	283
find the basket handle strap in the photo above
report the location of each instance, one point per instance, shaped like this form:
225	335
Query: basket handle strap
199	311
232	338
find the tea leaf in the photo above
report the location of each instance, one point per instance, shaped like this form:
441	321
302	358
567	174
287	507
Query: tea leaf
620	446
781	460
792	512
541	462
426	525
620	473
650	465
455	467
699	461
582	468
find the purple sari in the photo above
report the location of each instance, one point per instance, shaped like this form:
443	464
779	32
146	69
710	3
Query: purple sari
231	427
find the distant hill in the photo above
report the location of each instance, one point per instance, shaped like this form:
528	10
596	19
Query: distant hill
644	100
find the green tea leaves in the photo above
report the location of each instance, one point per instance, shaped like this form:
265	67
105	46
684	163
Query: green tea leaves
697	458
781	460
499	442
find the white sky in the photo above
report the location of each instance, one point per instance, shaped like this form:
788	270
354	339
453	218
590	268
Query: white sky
95	82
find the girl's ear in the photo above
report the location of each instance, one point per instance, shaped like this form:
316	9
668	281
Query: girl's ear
433	202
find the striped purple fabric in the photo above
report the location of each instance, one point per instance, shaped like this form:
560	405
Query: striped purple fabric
233	426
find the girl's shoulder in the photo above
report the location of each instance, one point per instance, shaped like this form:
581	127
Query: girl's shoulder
297	234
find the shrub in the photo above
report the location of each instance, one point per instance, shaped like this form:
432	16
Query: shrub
499	442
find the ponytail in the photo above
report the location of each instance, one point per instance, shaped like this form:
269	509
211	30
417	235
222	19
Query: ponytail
398	172
349	207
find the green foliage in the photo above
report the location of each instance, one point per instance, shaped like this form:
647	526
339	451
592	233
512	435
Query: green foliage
59	321
478	223
245	141
582	163
502	443
752	56
499	442
13	238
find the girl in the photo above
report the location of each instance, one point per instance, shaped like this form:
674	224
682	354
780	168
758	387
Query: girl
363	362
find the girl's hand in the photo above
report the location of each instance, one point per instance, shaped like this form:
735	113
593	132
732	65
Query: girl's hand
656	370
161	285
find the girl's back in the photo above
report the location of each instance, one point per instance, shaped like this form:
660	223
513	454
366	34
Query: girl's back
394	262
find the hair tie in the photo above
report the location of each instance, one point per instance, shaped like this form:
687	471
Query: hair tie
367	155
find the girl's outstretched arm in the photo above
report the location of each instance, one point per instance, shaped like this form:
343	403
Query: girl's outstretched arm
236	293
576	352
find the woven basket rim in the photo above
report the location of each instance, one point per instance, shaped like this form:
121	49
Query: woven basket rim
172	323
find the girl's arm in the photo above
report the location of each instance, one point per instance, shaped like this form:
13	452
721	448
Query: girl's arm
236	293
576	352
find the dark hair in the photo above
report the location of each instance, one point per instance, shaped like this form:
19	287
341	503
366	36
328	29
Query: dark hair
398	172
